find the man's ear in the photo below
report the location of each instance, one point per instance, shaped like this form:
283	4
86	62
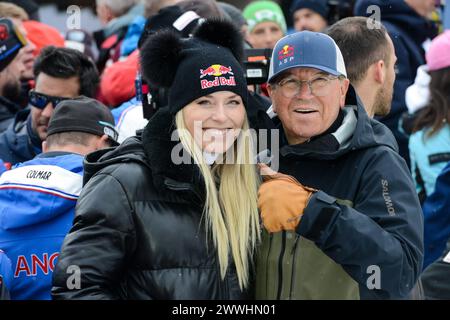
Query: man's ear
103	142
345	83
44	146
379	71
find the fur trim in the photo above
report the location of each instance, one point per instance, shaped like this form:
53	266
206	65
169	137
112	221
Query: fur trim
159	58
222	33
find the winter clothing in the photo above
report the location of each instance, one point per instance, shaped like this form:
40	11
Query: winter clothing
429	155
417	95
438	55
130	42
124	20
5	276
30	6
366	216
117	82
263	11
307	49
38	199
318	6
435	277
278	211
19	143
129	118
234	13
109	39
436	212
43	35
195	67
408	32
11	41
2	167
83	114
148	241
8	110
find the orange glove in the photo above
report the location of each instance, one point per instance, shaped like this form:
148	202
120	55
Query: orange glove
281	201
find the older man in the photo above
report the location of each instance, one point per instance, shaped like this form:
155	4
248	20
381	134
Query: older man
357	231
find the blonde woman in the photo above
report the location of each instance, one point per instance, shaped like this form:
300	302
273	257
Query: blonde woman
173	214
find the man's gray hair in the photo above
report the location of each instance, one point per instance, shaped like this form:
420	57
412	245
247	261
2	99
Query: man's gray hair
118	7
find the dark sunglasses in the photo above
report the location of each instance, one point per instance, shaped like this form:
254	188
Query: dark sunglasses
40	100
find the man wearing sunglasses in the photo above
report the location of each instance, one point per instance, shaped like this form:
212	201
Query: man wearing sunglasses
60	73
354	230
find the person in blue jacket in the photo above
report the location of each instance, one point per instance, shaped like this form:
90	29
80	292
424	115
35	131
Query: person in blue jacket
38	197
435	278
409	27
436	211
60	73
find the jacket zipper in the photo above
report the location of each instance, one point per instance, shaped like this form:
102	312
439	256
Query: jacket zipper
280	265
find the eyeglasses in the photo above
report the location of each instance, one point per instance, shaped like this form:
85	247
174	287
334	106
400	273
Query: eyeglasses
40	100
319	87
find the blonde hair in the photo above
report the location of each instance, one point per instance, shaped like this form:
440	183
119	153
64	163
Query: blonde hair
231	212
10	10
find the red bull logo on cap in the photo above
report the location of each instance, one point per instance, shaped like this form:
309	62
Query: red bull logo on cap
217	71
286	52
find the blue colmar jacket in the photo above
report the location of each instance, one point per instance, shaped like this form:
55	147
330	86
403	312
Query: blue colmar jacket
37	204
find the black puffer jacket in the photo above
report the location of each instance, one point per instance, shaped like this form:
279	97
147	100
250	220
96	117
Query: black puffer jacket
138	231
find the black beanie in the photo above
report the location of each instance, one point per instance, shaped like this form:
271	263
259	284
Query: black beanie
11	41
194	67
319	6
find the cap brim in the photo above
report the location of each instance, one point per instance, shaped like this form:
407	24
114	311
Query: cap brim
301	65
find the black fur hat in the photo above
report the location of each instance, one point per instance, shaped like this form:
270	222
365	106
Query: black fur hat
197	66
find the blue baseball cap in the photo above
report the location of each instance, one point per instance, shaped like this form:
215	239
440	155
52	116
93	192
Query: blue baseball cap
307	49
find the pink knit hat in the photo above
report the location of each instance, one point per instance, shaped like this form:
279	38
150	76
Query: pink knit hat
438	55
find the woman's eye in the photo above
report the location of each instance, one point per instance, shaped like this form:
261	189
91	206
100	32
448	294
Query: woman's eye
203	102
234	102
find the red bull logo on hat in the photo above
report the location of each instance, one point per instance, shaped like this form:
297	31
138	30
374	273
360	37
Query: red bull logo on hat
217	71
286	52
